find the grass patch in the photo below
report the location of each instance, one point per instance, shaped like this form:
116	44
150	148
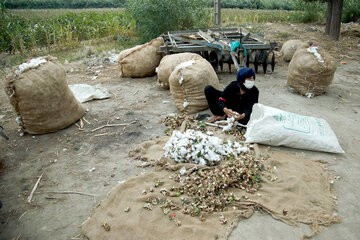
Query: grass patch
97	46
283	35
256	16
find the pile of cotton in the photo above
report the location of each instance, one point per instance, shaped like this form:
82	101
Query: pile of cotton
197	147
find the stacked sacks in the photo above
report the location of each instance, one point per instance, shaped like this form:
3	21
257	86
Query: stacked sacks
168	64
311	71
40	95
141	60
187	83
288	48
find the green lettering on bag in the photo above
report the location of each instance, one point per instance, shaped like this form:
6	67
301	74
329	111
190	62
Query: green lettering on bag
299	123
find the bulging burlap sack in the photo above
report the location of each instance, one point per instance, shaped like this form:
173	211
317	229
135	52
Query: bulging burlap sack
187	83
168	64
141	60
288	48
42	99
309	76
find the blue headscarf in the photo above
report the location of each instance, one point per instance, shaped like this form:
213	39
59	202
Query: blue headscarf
244	73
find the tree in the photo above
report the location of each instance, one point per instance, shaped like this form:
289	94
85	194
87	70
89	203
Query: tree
333	17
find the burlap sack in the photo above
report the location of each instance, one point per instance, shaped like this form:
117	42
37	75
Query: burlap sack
309	76
168	64
42	99
141	60
187	83
289	47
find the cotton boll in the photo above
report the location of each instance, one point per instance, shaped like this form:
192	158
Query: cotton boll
32	64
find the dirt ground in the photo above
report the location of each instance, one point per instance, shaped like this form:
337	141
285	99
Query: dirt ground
93	162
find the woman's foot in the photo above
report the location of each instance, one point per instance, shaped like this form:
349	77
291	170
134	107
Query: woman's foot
216	118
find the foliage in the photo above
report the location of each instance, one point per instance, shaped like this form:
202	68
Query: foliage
31	29
235	16
351	11
309	11
42	4
276	4
154	17
20	33
254	4
52	4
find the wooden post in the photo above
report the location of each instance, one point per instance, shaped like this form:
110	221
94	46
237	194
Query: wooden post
217	9
328	16
336	19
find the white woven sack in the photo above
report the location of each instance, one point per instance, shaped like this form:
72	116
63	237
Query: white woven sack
276	127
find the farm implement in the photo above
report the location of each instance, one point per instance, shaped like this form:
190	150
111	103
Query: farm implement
231	45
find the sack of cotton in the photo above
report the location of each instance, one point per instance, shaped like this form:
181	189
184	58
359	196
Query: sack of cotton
141	60
187	83
168	64
311	71
39	92
289	47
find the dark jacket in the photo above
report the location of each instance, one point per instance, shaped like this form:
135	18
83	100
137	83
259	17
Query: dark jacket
241	103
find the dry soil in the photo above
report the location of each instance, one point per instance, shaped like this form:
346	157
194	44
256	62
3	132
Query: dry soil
77	161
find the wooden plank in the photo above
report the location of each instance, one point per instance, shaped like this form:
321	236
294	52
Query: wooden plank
209	39
171	40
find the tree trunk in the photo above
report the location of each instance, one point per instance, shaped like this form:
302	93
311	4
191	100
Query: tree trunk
336	19
217	12
328	16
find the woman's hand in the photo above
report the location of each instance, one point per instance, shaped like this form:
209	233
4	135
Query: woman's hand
230	113
240	116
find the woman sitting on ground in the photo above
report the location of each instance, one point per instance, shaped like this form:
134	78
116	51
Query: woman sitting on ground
236	100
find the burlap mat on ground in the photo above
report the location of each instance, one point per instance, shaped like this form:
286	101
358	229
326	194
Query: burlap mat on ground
296	190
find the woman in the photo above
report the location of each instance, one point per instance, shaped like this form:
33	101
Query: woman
236	100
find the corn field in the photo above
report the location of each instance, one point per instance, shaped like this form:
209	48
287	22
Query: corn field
25	30
24	33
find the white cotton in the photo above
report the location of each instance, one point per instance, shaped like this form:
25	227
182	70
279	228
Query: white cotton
157	69
186	104
114	58
32	64
181	80
185	64
230	124
18	120
309	95
197	147
182	171
314	51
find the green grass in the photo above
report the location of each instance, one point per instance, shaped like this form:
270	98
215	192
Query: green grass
44	14
28	30
64	33
97	47
283	35
236	16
